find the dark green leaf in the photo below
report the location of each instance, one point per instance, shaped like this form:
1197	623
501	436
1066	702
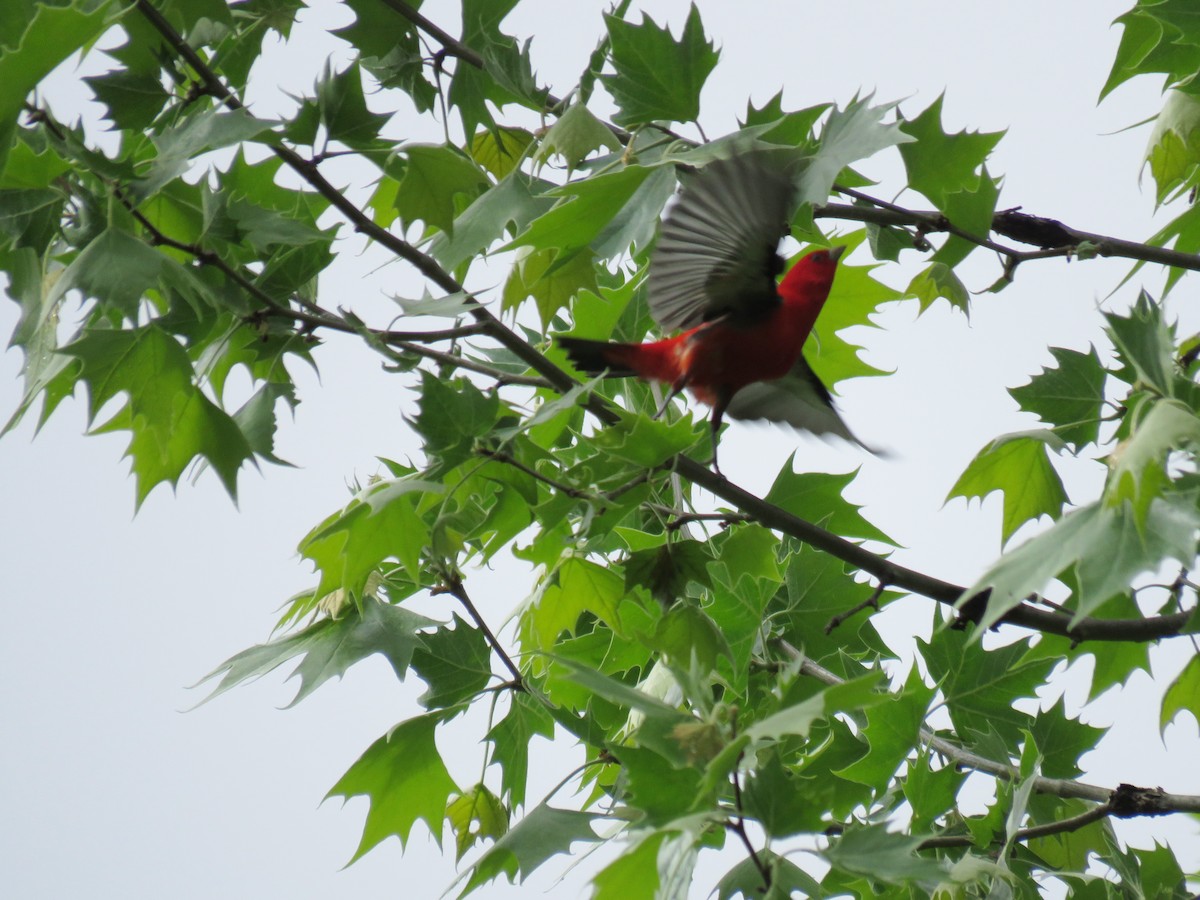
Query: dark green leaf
817	497
1069	397
511	738
171	421
48	37
882	855
1061	741
455	662
330	647
543	832
439	182
1182	695
657	77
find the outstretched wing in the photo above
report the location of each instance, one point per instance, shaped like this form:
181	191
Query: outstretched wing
798	399
717	251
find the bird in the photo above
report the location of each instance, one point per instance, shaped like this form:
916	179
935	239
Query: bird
712	276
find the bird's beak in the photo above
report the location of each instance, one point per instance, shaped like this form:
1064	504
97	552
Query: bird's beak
835	253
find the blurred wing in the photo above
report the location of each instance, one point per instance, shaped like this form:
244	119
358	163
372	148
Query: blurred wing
717	252
798	399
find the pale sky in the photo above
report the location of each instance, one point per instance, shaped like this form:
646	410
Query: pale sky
110	791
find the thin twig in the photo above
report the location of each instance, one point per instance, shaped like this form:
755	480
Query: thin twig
1074	823
871	602
508	459
454	587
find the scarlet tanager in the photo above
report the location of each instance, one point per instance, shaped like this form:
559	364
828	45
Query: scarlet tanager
713	274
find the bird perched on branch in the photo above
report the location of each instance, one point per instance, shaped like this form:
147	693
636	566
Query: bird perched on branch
713	274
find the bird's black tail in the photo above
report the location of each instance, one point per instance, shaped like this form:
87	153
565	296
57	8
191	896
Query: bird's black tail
596	357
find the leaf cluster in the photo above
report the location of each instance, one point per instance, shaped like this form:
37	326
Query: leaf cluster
725	682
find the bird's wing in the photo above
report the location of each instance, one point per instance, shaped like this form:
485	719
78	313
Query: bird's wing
717	252
798	399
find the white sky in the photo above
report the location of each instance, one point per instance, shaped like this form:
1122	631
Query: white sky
109	790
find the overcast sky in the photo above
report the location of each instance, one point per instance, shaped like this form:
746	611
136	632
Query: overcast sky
110	790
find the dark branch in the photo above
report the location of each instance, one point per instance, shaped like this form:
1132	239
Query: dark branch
454	587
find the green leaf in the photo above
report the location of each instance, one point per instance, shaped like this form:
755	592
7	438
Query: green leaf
1182	695
46	373
439	182
170	419
330	647
1145	344
686	636
820	587
657	77
452	415
880	855
204	131
343	108
942	165
510	204
133	99
581	586
1137	467
666	570
1153	42
1173	152
1018	465
633	875
854	298
930	792
646	442
550	279
1061	741
775	796
600	212
799	718
787	880
511	738
939	280
891	733
385	41
381	522
574	136
1069	397
1107	545
657	789
403	776
48	37
979	686
500	150
818	497
854	133
455	662
543	832
474	816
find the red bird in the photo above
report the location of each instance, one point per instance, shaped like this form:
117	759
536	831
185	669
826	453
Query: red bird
713	273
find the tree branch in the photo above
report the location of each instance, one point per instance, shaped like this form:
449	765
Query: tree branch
1053	237
1074	823
1126	800
454	587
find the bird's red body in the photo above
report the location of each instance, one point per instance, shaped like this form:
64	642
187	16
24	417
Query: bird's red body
713	276
719	358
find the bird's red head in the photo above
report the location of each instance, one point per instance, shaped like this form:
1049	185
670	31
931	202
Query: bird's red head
809	280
